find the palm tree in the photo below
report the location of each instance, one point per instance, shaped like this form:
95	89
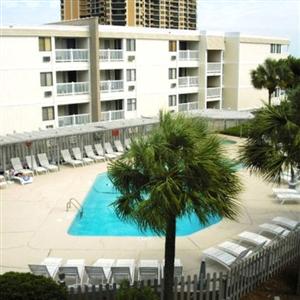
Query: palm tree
265	76
178	169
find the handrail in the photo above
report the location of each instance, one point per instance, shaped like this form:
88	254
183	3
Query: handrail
76	204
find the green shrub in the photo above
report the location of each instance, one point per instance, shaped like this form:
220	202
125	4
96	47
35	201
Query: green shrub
135	293
26	286
240	130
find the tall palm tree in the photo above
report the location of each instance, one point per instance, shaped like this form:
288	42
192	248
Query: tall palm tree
265	76
178	169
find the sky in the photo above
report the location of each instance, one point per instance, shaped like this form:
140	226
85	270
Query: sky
258	17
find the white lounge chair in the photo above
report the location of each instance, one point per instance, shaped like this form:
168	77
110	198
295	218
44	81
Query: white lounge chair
178	268
119	146
234	249
285	191
274	229
44	162
286	222
17	166
288	197
100	271
69	160
73	270
90	153
100	151
21	178
78	156
48	267
148	269
34	165
222	257
127	143
109	150
254	238
123	269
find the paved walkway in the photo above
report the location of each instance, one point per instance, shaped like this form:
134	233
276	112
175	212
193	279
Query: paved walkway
34	222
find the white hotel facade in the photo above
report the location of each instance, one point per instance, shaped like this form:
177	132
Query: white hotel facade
80	72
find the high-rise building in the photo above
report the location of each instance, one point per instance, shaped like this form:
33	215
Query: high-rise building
175	14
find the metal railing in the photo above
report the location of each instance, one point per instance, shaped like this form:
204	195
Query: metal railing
188	81
189	55
111	55
214	68
112	115
76	204
73	120
213	92
72	88
112	86
71	55
188	106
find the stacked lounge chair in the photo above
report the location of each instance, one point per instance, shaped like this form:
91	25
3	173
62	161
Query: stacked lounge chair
148	269
286	222
123	269
44	162
109	150
69	160
47	268
100	151
100	271
78	156
31	162
73	270
119	146
17	166
90	154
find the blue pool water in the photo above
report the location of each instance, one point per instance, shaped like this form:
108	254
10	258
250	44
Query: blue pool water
99	218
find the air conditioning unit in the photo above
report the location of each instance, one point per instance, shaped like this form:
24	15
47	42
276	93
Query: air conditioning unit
131	88
173	57
131	58
46	58
47	94
173	85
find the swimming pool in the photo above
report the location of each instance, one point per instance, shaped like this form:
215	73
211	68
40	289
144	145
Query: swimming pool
99	218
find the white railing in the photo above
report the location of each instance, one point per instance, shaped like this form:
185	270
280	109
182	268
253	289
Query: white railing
214	68
189	81
73	120
189	55
72	88
112	115
71	55
112	86
188	106
111	55
213	93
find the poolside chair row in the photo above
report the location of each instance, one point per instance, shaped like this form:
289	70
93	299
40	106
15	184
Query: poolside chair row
230	253
103	270
287	194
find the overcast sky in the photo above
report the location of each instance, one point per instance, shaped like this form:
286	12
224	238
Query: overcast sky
261	17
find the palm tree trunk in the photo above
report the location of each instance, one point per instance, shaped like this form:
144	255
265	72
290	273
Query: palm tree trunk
270	96
169	258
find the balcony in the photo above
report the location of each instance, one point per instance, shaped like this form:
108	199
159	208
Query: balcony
73	120
188	81
112	86
71	55
111	55
189	55
187	106
213	68
72	88
112	115
213	92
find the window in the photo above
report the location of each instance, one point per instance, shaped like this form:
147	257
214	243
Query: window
275	48
172	73
130	45
48	113
131	75
172	46
46	79
172	100
131	104
44	43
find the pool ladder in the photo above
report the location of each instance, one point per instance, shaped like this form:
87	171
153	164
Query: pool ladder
76	204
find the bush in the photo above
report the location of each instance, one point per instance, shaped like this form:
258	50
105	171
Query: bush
135	293
25	286
240	130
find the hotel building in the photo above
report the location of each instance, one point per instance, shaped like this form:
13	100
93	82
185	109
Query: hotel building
173	14
80	72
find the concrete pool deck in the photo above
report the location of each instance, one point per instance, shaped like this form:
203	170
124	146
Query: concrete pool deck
34	222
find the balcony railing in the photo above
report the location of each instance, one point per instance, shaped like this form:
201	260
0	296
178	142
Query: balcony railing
213	92
72	88
112	86
111	55
71	55
214	68
112	115
189	55
189	81
74	120
187	106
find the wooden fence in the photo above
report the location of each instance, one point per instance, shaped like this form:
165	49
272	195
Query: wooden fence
243	278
